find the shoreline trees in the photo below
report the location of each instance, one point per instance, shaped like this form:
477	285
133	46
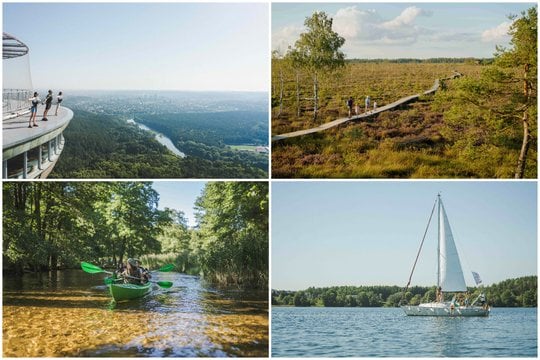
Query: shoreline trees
55	225
519	292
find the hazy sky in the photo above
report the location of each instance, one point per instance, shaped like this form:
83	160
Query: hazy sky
368	233
179	195
403	30
174	46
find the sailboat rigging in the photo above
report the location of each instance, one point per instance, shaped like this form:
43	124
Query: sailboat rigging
450	277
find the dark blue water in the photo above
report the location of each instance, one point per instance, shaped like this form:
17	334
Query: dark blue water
366	332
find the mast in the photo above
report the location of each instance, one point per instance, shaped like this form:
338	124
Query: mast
438	240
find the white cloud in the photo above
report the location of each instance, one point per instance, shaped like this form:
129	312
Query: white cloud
406	18
498	33
285	37
351	22
368	26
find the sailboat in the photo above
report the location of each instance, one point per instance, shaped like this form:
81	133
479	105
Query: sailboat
449	278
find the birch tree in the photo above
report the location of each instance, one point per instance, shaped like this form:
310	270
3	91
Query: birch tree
317	51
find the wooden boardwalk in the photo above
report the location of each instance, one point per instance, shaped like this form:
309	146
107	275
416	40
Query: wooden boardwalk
340	121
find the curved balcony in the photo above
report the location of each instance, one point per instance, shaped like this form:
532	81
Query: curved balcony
30	153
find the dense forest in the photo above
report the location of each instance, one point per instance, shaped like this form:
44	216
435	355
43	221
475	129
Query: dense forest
520	292
481	125
213	129
104	146
55	225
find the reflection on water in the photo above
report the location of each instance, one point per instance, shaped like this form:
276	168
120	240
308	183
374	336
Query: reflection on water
72	315
162	139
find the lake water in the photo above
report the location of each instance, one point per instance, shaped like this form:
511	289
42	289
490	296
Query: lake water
388	332
162	139
70	313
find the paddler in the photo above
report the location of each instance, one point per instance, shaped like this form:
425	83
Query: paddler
135	274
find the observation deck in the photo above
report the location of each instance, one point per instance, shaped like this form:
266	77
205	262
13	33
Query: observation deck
30	153
27	153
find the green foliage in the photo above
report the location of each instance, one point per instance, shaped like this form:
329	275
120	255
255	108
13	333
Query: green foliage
483	125
101	146
520	292
318	48
51	225
233	233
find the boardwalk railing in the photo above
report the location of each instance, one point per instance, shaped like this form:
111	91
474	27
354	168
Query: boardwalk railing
340	121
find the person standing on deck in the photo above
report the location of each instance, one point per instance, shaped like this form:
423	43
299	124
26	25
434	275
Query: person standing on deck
33	110
48	104
59	99
374	106
367	103
350	103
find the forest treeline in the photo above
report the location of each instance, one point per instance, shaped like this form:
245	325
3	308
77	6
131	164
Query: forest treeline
55	225
105	146
519	292
442	60
207	135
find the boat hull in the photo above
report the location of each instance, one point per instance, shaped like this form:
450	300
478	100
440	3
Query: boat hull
121	292
444	309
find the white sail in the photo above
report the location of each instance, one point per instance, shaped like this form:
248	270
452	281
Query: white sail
450	272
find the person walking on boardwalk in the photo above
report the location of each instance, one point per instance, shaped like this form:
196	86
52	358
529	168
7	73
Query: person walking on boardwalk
367	102
48	104
374	106
59	99
350	103
33	110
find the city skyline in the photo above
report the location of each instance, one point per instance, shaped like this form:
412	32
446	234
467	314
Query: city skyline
403	30
143	46
368	233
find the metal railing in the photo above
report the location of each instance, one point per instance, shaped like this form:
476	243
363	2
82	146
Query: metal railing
15	102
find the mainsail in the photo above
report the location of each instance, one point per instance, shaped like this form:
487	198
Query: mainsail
450	273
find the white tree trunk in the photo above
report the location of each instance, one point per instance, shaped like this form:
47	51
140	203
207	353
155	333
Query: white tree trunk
315	96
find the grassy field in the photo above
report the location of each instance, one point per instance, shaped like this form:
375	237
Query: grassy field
414	141
244	147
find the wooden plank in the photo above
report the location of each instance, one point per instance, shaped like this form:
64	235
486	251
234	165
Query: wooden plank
340	121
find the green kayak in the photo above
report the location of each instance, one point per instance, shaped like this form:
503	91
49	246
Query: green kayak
122	292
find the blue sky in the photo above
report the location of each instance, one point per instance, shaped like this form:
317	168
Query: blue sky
403	30
161	46
179	195
368	233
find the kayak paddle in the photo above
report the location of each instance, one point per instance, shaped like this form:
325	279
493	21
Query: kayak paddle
93	269
165	268
163	284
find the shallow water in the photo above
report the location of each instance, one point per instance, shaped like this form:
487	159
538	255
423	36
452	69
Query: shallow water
378	332
70	313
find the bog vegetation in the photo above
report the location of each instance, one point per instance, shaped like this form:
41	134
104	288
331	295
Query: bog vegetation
520	292
55	225
482	125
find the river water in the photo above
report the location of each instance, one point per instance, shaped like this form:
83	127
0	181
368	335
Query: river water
385	332
162	139
70	313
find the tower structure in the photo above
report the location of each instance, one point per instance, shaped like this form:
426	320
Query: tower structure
27	153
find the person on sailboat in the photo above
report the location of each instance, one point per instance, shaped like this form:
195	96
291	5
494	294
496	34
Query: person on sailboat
439	295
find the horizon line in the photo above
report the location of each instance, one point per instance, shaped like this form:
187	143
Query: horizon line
179	90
